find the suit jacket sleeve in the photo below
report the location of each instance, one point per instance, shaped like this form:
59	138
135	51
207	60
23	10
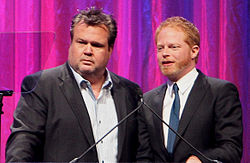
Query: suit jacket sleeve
228	125
26	139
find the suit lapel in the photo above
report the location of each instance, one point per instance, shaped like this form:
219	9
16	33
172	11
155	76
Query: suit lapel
119	96
158	100
192	105
71	91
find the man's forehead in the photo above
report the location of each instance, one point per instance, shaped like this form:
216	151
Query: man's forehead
169	31
82	23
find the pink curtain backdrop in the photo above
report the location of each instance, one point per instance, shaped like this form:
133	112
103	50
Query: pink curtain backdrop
34	35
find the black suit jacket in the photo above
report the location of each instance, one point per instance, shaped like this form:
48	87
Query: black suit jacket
51	122
211	122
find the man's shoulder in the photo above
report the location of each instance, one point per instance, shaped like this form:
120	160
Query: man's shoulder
155	91
49	72
215	84
45	75
41	79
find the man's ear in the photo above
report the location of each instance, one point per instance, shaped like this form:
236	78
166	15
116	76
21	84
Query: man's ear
110	49
195	51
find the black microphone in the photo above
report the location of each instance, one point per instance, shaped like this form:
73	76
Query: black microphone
139	93
2	94
176	133
6	92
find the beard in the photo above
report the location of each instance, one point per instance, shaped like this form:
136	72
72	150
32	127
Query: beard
178	69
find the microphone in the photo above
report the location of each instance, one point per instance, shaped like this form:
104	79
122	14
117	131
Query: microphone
6	92
181	137
2	94
139	93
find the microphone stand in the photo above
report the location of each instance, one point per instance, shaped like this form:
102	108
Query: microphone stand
182	138
92	146
126	117
2	94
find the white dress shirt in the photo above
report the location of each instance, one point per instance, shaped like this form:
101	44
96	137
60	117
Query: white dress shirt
185	85
103	117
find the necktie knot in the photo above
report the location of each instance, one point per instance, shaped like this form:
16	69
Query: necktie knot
84	84
175	88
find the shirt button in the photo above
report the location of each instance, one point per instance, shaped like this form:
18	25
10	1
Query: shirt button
101	141
100	122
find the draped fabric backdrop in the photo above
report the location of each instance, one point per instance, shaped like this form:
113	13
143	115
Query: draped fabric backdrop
34	35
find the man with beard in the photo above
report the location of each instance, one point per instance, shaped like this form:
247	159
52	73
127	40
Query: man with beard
204	110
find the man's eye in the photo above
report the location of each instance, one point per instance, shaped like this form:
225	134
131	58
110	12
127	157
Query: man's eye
82	42
159	49
98	45
174	46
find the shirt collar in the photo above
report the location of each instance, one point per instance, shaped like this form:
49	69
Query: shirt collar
108	84
185	82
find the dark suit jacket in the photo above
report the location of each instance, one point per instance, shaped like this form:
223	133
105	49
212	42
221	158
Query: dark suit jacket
211	122
51	122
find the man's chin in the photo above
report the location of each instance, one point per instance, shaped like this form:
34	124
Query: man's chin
167	71
171	75
85	71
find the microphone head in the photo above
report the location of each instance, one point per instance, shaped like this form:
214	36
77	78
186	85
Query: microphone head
74	160
6	92
139	94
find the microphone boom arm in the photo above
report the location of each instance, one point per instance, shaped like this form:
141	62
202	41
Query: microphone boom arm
92	146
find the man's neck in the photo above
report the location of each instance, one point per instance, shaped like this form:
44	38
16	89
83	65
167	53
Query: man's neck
175	78
96	82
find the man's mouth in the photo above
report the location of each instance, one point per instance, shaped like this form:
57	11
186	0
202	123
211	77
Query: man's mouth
167	63
87	61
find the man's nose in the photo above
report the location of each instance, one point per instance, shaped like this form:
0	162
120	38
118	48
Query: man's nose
165	53
88	49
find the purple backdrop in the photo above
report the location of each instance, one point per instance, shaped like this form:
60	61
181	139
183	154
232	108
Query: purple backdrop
34	35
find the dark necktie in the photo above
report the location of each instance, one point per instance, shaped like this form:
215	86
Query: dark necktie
174	119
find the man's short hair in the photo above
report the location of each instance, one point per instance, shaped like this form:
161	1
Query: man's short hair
189	29
95	17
